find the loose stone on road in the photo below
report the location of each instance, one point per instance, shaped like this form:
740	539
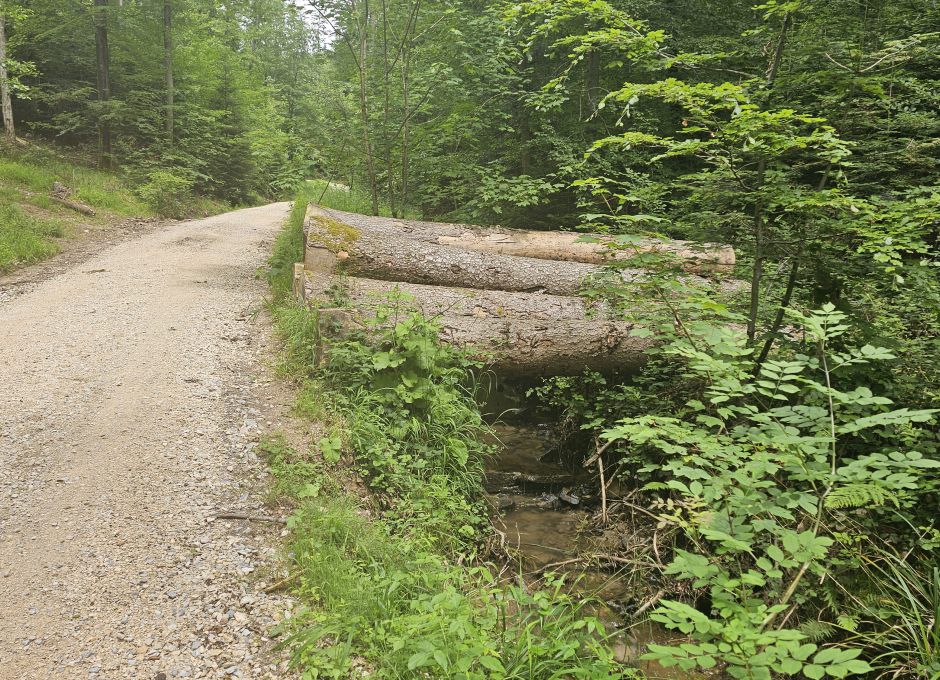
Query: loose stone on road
131	397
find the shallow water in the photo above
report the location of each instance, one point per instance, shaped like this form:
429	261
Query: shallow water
546	531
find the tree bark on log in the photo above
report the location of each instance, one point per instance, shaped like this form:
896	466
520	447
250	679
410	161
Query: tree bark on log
377	249
435	301
73	205
519	334
484	288
544	245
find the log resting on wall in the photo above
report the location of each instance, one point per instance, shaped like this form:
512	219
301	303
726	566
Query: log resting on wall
520	334
546	245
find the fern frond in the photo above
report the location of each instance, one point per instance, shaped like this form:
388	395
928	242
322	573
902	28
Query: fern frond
817	631
859	495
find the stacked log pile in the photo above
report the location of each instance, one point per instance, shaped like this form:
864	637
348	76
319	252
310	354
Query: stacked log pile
510	293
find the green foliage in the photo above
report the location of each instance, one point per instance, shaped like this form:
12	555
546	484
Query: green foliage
24	239
385	579
898	620
772	478
296	475
404	611
243	75
288	249
29	219
414	423
168	194
35	171
346	198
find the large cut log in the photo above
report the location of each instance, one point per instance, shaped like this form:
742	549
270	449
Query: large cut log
520	334
438	301
546	245
378	249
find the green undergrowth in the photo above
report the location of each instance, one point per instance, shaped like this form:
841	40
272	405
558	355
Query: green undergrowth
30	220
348	199
25	239
32	174
392	580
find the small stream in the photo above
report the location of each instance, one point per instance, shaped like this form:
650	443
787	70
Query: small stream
543	508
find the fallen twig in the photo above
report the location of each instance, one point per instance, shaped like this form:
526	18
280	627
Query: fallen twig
563	563
600	468
649	603
75	205
283	582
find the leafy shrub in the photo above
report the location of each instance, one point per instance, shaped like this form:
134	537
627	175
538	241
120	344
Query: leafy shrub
776	479
169	194
412	419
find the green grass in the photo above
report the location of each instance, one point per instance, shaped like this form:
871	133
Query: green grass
377	598
30	219
101	190
24	239
288	248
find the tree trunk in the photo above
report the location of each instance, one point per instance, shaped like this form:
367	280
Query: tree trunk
168	66
377	248
103	63
760	220
406	113
435	301
552	245
522	312
386	114
396	250
517	334
9	130
364	104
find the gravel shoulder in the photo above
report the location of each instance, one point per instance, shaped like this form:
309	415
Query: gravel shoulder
134	388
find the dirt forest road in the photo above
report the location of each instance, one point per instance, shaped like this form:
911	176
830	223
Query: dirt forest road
129	406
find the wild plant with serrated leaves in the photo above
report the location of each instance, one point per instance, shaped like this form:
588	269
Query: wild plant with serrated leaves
777	480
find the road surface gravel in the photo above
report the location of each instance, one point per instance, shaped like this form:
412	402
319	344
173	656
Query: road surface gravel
133	389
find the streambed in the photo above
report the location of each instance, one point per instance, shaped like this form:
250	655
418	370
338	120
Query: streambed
544	510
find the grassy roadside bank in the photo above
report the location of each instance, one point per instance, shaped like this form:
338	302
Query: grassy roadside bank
31	222
34	227
392	579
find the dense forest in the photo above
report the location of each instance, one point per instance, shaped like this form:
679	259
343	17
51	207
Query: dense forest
782	437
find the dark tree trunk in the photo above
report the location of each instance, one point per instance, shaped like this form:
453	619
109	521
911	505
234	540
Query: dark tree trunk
103	64
168	66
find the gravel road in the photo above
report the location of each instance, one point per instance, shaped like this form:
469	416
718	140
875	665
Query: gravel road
133	387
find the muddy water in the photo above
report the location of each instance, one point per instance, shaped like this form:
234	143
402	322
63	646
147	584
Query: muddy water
540	507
